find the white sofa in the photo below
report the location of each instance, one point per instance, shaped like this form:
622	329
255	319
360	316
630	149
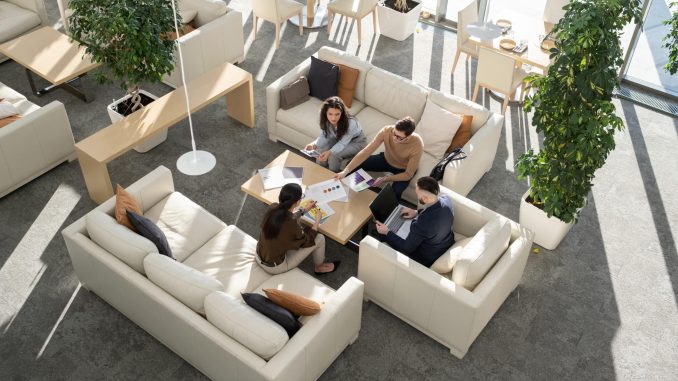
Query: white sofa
18	17
433	303
218	38
32	145
223	253
380	99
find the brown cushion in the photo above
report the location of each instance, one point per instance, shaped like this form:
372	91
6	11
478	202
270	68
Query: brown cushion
124	202
348	77
296	304
183	29
8	120
463	134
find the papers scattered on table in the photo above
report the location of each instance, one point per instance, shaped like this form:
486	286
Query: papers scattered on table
276	177
358	180
325	211
327	191
310	153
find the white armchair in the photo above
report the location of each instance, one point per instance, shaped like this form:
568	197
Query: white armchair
355	9
18	17
433	303
276	13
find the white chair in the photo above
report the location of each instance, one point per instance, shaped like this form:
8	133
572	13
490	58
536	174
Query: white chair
498	72
355	9
469	14
553	10
276	11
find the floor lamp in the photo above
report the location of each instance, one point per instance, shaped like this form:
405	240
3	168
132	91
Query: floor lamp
196	162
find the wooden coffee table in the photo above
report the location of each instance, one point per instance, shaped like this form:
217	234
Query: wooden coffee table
349	217
51	55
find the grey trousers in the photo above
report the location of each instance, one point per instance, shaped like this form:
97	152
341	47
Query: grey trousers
334	161
294	257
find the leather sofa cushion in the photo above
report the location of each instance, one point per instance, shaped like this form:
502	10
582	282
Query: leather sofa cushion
437	127
426	164
208	10
118	240
253	330
372	121
230	258
9	94
186	225
445	263
394	95
297	304
348	77
15	21
124	201
461	106
481	253
341	57
187	285
463	134
305	117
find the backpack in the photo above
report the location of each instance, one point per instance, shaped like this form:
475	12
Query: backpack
439	170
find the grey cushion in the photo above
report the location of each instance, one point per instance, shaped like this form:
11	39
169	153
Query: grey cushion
323	78
148	229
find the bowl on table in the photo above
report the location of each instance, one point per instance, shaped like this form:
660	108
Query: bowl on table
507	44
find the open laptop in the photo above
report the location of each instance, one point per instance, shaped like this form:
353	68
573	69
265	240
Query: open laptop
385	209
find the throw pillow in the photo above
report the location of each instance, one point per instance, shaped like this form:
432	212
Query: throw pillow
463	134
323	78
7	109
437	127
445	263
124	201
294	94
296	304
5	121
187	15
348	77
148	229
183	30
273	311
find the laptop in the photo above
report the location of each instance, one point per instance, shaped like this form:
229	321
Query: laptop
385	209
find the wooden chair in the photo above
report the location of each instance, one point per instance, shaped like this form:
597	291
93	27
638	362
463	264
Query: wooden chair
355	9
498	72
277	12
469	14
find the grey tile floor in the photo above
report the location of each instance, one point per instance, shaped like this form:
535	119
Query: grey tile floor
601	306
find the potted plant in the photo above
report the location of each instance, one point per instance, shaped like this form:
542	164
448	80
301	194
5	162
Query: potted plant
671	40
573	110
398	18
130	38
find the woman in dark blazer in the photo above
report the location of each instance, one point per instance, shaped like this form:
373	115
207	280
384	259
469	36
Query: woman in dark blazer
284	243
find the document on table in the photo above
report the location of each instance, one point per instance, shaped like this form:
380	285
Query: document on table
323	209
358	180
276	177
327	191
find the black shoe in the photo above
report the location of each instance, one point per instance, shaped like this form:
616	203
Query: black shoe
336	266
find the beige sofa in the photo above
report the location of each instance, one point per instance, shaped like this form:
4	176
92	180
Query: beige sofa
118	265
32	145
18	17
433	303
380	99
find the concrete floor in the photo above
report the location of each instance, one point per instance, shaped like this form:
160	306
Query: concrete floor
601	306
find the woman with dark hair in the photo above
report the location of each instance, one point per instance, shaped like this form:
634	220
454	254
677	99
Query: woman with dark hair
284	243
341	136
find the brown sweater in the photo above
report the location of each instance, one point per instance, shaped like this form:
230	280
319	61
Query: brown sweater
404	155
292	236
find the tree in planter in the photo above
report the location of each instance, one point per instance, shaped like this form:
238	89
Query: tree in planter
128	37
573	105
671	39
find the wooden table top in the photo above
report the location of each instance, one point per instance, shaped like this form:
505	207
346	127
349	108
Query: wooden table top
116	139
349	216
49	54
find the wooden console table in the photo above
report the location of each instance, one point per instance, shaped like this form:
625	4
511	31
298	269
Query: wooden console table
107	144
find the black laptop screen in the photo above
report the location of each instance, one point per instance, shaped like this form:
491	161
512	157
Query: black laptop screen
383	205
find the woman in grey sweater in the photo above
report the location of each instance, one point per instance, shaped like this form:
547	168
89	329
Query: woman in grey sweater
341	136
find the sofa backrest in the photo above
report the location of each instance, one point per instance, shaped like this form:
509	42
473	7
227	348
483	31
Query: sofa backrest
338	56
394	95
208	10
37	6
462	106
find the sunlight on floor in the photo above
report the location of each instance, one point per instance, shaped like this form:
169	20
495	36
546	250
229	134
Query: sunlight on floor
56	325
27	257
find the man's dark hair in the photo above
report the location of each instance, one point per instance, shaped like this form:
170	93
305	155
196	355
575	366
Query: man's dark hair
428	184
405	125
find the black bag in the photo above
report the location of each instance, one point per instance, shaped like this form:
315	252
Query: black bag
439	170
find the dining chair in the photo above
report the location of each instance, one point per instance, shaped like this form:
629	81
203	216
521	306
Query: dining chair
498	72
355	9
276	11
553	10
468	14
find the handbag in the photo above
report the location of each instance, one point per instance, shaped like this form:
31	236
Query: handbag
294	94
439	170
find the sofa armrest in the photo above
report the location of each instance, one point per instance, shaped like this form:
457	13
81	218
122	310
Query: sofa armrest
313	349
273	95
462	175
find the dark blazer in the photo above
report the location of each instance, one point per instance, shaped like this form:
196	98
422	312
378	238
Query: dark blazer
430	233
292	236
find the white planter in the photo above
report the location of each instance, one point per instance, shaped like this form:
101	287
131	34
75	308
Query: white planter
397	25
548	231
149	143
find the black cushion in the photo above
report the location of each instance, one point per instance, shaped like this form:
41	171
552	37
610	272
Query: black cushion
323	78
273	311
148	229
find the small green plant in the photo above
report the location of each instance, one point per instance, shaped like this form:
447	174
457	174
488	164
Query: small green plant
671	39
573	105
128	37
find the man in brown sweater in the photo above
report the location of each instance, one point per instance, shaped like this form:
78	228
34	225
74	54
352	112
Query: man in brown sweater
402	152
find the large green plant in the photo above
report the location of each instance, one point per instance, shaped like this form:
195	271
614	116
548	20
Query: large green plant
128	37
671	39
573	105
